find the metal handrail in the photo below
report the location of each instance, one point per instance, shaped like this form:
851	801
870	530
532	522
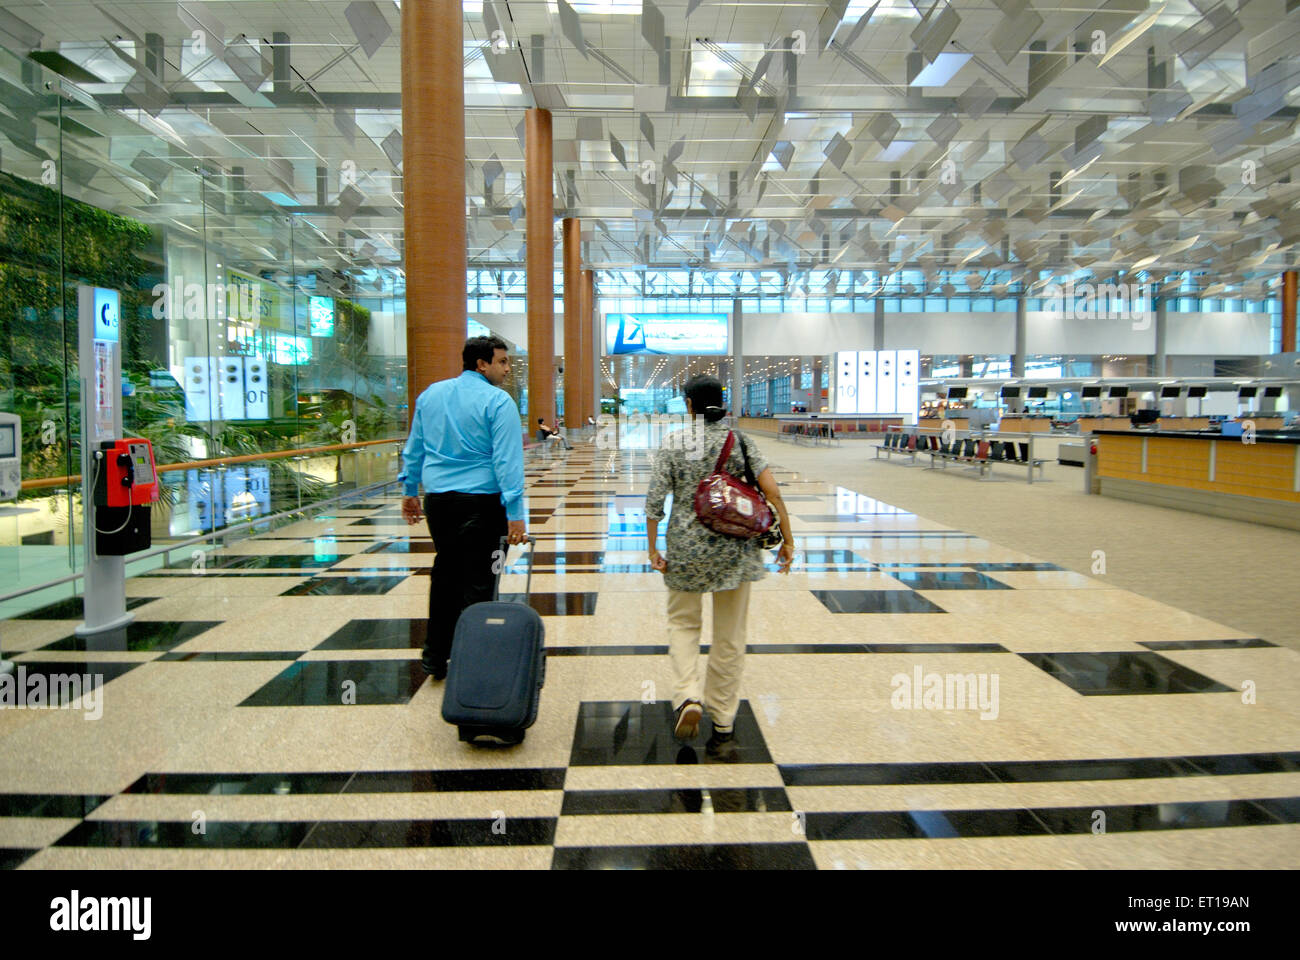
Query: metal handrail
208	536
44	482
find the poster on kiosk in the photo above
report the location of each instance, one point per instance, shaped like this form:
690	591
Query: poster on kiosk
119	479
846	382
878	382
867	401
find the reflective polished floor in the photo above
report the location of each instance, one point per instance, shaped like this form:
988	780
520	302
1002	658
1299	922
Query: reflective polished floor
913	696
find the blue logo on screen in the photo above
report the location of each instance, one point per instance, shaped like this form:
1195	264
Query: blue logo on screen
668	333
107	322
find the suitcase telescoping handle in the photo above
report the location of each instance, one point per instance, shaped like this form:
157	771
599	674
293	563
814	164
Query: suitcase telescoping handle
528	582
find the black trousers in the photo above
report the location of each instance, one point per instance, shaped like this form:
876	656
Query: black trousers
466	529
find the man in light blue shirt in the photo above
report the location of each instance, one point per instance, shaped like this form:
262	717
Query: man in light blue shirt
466	448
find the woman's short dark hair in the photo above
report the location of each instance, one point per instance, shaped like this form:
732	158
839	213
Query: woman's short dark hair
705	394
480	348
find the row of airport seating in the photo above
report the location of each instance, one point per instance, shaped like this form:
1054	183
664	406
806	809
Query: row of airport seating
971	450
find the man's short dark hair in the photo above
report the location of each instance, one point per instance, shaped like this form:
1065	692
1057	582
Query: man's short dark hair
480	348
540	420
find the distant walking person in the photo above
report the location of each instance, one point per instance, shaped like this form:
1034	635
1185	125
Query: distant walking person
700	561
466	448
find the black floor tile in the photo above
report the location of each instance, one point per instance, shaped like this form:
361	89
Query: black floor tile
344	586
11	858
402	546
242	835
270	561
455	781
228	656
557	604
1035	771
836	558
396	521
919	824
139	636
1205	644
721	856
881	774
1283	809
325	683
1157	816
56	673
378	635
72	609
53	805
686	800
946	580
876	601
239	783
632	732
1123	673
506	832
1246	763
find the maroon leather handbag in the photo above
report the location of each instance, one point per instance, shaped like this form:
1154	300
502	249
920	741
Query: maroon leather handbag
729	506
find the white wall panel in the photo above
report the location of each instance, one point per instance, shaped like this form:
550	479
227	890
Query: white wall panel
1221	334
1051	332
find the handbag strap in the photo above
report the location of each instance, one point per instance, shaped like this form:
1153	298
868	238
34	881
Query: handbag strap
749	471
726	452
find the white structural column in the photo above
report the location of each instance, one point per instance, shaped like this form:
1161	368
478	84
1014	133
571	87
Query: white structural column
737	387
1160	361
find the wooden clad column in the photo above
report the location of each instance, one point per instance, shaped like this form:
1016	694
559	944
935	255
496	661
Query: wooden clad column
433	178
539	239
1288	312
594	383
574	412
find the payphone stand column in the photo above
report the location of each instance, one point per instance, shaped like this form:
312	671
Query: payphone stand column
104	596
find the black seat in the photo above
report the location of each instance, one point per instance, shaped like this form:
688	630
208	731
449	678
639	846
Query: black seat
1024	452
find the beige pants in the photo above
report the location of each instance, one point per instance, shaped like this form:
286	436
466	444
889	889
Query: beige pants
720	691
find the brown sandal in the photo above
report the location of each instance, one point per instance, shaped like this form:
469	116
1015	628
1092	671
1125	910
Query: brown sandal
688	720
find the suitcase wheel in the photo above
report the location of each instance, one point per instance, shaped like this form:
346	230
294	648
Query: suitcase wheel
488	737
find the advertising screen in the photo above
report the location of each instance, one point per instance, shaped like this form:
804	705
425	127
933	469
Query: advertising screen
292	351
322	316
666	333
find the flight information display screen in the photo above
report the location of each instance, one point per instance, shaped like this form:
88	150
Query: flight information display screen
666	333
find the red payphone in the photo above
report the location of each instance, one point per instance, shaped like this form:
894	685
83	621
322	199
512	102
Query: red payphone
125	474
125	483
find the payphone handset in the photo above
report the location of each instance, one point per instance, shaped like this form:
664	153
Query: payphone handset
11	456
125	475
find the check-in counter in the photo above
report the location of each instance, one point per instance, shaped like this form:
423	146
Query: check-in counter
1262	421
1015	423
1185	423
937	423
1086	424
1205	473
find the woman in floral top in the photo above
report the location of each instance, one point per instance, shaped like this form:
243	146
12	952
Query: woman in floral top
700	561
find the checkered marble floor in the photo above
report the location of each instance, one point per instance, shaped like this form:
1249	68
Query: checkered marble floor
267	709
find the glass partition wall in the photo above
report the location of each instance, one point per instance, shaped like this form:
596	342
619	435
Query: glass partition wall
239	338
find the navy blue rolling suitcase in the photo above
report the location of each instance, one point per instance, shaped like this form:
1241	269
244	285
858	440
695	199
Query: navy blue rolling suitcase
498	665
